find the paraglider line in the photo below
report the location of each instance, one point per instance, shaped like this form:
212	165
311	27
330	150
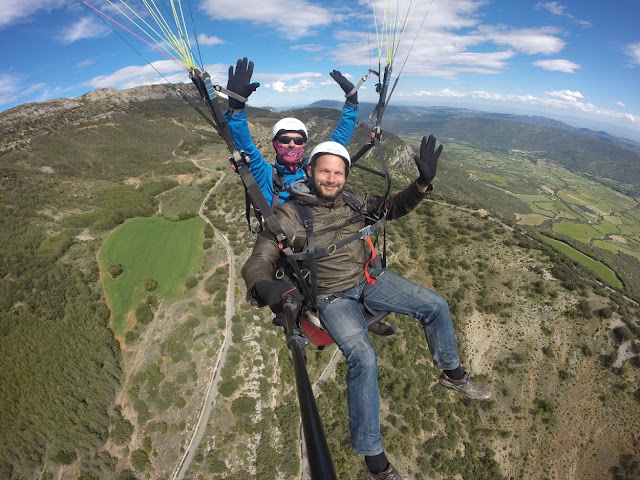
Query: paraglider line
137	36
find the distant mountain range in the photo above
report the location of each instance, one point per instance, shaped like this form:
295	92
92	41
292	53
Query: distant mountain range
402	117
608	159
599	154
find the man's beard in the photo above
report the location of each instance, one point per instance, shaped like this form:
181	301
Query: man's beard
325	195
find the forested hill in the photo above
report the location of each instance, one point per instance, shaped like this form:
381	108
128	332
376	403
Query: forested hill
586	151
113	308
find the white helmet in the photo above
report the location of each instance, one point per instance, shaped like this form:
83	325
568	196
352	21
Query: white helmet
332	148
289	124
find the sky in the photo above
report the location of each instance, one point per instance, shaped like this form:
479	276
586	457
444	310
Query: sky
577	61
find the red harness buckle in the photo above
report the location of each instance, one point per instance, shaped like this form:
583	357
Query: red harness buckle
370	279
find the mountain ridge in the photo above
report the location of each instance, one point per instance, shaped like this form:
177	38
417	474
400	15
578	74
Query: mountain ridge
442	112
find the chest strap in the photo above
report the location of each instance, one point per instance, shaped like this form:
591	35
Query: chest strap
310	255
362	234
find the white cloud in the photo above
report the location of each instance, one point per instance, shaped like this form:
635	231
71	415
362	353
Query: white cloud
36	87
558	65
85	63
453	41
209	41
561	10
287	76
562	100
85	27
14	89
14	11
291	82
531	41
291	19
620	104
310	47
553	7
633	51
566	95
281	87
330	81
9	87
136	75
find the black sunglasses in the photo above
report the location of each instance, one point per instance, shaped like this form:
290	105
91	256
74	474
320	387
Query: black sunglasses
285	139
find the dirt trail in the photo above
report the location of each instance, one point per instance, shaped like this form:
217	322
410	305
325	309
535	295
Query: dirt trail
201	426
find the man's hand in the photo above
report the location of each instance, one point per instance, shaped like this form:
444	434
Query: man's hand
346	86
427	162
272	292
240	82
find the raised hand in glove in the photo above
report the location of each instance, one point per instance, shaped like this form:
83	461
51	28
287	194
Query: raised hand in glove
346	86
427	162
240	82
272	292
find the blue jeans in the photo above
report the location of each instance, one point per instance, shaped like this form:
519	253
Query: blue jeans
343	320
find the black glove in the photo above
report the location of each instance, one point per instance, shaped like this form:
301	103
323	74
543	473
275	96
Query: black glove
272	292
239	82
346	85
427	162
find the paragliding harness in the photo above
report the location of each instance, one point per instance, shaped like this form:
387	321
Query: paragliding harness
301	267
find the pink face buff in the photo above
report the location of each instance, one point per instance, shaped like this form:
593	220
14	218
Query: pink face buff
290	156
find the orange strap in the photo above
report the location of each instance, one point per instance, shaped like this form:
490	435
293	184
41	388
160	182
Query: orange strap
370	279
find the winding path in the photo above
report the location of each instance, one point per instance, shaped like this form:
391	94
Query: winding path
209	401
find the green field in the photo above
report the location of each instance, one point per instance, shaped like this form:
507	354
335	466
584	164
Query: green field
579	231
605	246
605	273
531	219
169	252
606	228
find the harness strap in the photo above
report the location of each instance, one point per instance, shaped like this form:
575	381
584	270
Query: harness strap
229	93
278	184
359	84
362	234
257	198
311	248
297	272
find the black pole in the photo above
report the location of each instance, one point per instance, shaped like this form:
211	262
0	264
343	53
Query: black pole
320	463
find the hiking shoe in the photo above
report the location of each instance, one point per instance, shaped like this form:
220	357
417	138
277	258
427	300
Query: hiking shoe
389	474
382	328
466	386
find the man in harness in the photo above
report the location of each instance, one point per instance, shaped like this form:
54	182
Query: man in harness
289	137
344	280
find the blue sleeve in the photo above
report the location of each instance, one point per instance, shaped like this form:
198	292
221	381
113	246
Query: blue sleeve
346	125
262	170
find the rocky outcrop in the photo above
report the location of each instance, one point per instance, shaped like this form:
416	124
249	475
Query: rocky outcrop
18	125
